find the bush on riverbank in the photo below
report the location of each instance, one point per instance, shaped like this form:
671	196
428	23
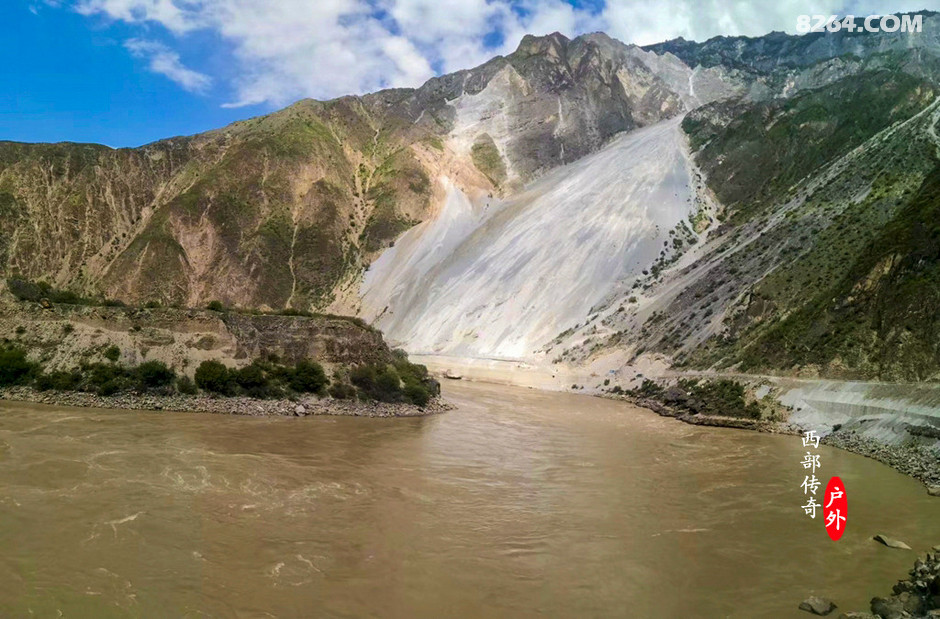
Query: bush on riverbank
721	397
263	379
14	367
214	377
399	381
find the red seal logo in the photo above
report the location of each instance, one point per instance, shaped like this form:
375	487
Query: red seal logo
834	507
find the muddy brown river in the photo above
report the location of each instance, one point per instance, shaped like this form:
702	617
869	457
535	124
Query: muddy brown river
518	504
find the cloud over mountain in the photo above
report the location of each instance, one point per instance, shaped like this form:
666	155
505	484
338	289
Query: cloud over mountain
290	49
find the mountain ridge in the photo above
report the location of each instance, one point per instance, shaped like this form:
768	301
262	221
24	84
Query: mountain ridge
288	210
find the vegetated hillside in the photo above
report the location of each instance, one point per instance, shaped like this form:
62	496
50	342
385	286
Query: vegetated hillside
814	270
269	212
881	318
285	210
753	153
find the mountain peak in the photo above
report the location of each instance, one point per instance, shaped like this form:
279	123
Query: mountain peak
532	45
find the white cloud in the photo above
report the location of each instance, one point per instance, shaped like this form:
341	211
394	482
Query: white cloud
702	19
283	50
166	62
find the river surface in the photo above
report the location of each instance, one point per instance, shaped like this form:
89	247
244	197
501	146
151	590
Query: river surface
519	503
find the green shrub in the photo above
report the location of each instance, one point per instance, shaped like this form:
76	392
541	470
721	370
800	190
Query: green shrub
215	306
59	381
290	311
25	290
154	375
342	391
399	381
185	385
14	368
377	382
388	380
417	394
251	376
215	377
308	377
106	378
112	353
110	387
254	380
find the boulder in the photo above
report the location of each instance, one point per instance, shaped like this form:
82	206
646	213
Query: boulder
855	615
934	491
817	605
299	410
887	608
891	542
912	603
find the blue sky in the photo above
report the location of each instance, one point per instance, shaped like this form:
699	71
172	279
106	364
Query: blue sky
128	72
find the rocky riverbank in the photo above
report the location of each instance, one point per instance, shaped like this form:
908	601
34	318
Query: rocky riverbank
665	410
301	407
916	597
912	460
917	462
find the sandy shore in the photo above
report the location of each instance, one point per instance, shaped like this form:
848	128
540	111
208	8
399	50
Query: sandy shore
223	405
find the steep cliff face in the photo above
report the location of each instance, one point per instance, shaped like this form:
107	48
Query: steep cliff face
285	210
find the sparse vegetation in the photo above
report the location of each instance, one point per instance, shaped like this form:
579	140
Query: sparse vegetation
486	158
26	290
717	397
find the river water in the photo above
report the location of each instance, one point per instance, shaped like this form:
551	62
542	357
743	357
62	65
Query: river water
519	503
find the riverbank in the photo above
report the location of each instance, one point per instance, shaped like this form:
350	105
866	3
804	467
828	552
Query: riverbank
254	407
912	460
716	421
917	596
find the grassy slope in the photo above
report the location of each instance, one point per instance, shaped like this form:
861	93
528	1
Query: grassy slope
266	212
880	319
796	271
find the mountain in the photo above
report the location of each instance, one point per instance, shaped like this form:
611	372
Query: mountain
759	204
285	210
